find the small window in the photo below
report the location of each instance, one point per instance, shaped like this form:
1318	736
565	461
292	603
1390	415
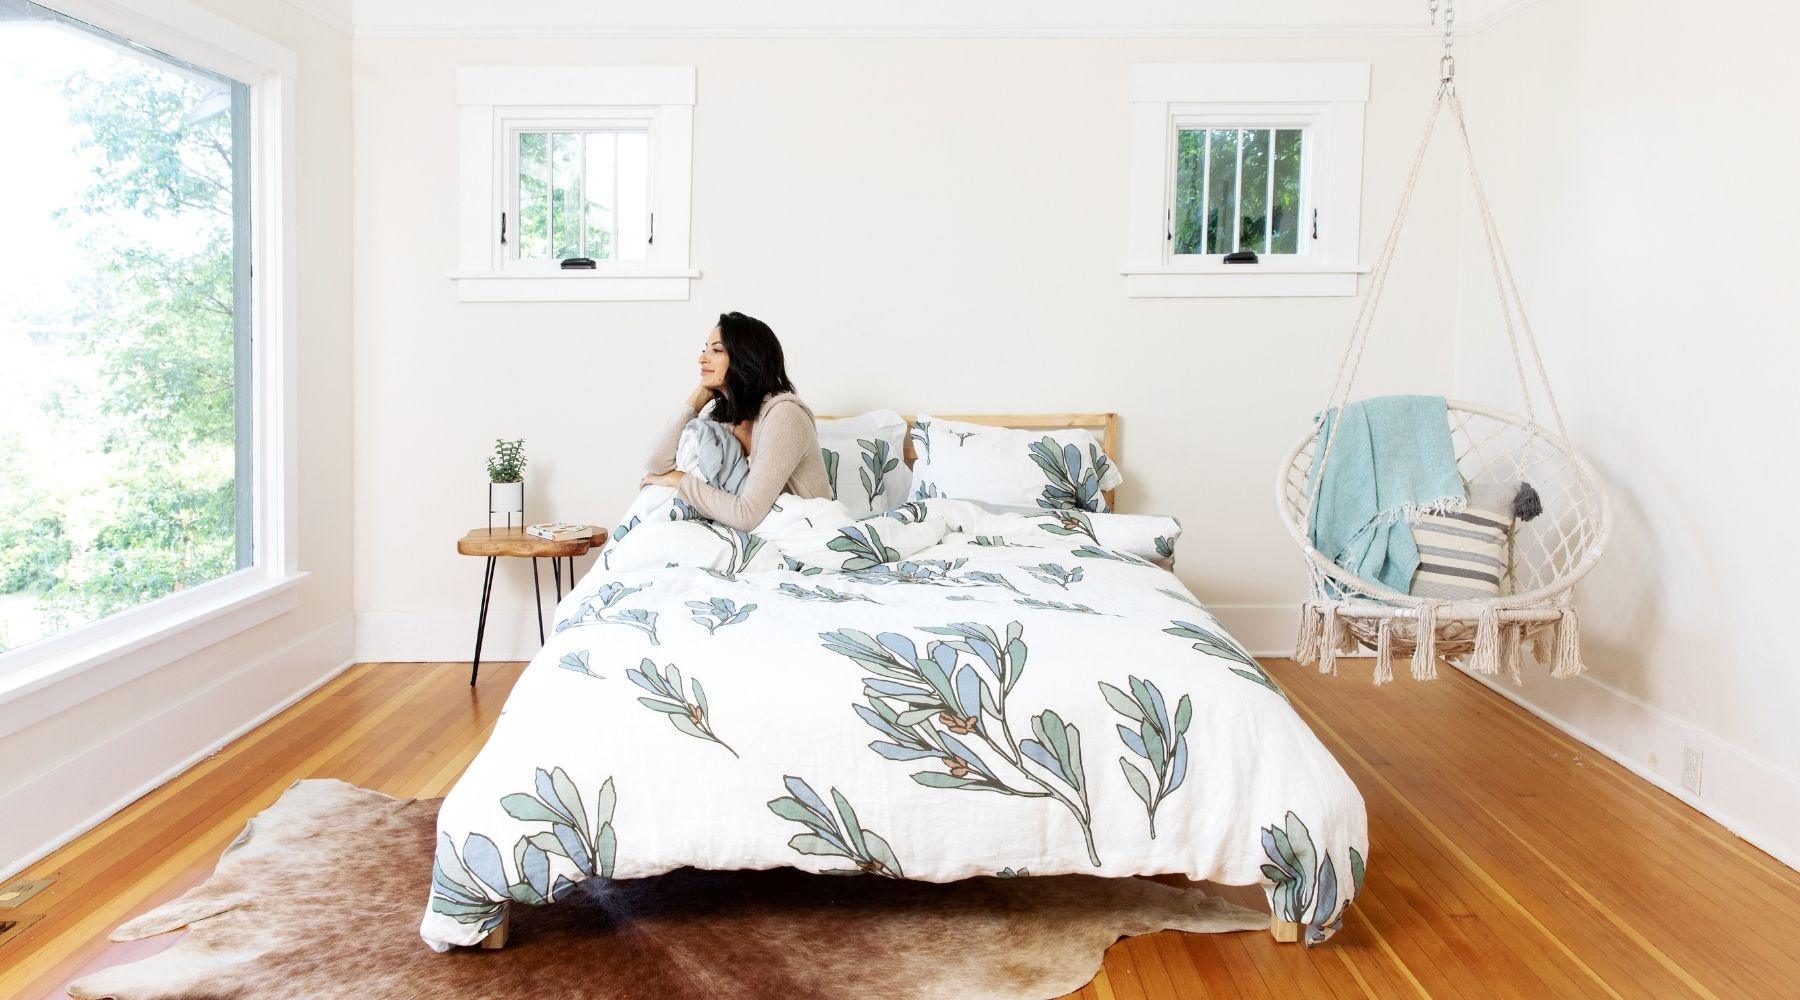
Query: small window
1235	157
571	162
581	194
1238	189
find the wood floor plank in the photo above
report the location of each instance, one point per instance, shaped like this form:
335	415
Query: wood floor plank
1506	859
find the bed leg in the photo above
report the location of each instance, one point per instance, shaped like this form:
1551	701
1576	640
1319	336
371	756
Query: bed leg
496	938
1285	931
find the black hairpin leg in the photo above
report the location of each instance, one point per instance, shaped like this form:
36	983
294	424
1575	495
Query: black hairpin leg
537	596
487	590
556	574
571	574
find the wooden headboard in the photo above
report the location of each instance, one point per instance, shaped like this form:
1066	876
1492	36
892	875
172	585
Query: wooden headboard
1105	425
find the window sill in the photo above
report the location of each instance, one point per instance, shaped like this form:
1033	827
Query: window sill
615	285
1213	280
43	678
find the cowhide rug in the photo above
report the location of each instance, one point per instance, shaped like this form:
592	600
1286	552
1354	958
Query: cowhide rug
320	897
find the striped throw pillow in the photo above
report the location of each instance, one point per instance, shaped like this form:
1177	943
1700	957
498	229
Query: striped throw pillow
1464	556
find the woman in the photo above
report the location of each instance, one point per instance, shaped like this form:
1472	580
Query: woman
744	378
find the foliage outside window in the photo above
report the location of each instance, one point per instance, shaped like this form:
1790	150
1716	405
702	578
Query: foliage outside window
124	340
1238	189
583	194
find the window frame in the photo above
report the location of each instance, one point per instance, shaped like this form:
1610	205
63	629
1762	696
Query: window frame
495	103
47	676
1325	100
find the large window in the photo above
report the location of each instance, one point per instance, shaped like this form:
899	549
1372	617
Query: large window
125	314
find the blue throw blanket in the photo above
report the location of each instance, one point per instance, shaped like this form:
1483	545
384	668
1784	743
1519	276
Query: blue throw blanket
709	450
1392	460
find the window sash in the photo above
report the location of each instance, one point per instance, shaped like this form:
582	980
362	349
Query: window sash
511	182
1271	127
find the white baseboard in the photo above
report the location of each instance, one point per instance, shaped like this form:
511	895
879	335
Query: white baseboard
1263	629
439	636
56	805
1750	797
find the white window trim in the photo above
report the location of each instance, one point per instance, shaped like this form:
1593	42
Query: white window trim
492	101
1328	97
42	678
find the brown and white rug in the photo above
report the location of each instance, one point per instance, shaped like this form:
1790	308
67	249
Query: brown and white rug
320	898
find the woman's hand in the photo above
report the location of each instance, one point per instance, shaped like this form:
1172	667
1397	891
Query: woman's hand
670	479
699	397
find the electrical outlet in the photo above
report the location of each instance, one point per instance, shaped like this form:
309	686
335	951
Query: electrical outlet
1691	760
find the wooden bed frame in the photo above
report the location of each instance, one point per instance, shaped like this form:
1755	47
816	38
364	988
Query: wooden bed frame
1104	425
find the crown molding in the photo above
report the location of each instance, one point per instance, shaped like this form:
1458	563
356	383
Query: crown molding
341	23
922	31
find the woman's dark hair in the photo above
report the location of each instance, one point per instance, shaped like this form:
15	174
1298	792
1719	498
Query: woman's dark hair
756	372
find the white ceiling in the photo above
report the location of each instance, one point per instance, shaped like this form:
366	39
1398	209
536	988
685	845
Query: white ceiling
898	17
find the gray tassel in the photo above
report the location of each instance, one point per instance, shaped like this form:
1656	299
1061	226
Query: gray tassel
1526	503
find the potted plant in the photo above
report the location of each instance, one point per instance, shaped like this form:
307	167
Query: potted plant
506	481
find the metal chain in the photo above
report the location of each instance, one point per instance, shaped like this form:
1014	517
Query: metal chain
1447	63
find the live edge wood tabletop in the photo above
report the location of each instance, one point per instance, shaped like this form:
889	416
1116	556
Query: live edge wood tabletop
493	544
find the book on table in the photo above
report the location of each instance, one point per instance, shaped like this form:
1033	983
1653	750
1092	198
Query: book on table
560	531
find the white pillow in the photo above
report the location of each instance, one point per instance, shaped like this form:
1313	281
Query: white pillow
865	460
1052	470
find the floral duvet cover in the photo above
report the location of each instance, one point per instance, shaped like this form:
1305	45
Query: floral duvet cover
935	693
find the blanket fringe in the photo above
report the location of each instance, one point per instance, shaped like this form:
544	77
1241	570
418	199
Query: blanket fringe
1410	513
1568	646
1424	661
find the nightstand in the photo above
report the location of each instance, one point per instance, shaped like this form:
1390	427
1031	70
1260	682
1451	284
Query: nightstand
494	543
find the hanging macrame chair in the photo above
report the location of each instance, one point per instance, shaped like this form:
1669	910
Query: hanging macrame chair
1547	555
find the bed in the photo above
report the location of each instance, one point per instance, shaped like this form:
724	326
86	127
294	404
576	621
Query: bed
940	692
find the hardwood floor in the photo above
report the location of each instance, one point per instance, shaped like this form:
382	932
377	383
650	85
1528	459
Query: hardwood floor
1507	859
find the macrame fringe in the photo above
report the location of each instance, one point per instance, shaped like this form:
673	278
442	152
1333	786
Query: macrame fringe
1328	641
1384	653
1306	641
1485	658
1512	652
1568	646
1424	661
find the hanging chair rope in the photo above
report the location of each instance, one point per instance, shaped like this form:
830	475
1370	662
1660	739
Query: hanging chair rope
1506	287
1344	610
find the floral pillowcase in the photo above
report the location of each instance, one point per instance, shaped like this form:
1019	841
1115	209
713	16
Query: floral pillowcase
1054	470
865	460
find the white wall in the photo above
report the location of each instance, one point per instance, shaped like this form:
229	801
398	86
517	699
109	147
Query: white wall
929	224
1635	155
67	772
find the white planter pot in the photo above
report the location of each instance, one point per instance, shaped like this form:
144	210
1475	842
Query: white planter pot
506	498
